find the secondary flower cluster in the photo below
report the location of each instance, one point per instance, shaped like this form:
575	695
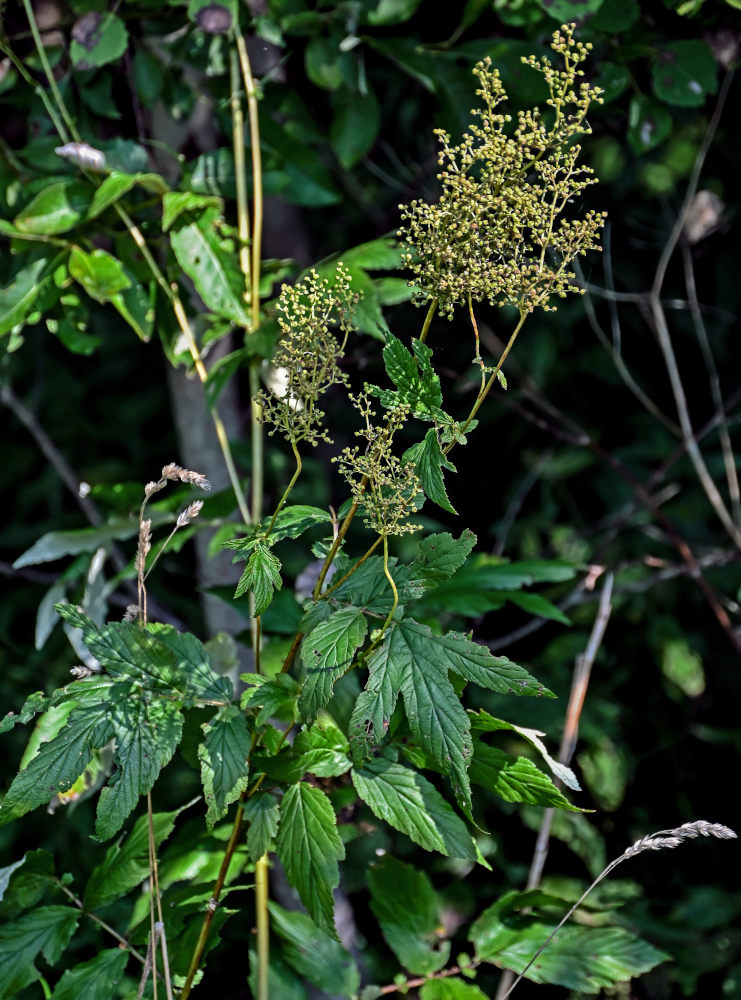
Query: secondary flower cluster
386	487
306	362
496	232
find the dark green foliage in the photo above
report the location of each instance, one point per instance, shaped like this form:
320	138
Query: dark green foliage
370	754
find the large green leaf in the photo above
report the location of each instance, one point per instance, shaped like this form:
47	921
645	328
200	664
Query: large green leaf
484	722
408	663
438	558
322	750
56	544
223	756
126	863
147	735
587	959
55	209
327	653
100	274
59	762
95	979
410	803
309	848
357	119
261	576
212	264
414	662
410	929
318	958
193	660
515	779
46	930
262	813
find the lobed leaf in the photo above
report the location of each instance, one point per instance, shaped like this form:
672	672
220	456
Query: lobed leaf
46	930
515	779
261	576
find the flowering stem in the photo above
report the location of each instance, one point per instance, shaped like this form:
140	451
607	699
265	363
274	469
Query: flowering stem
428	319
492	378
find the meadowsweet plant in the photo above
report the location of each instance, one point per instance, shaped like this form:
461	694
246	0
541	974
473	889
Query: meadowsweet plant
351	737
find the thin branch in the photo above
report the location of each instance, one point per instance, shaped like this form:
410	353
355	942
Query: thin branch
579	685
714	382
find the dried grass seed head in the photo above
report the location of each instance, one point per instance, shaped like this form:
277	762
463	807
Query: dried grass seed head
191	511
176	473
308	353
496	231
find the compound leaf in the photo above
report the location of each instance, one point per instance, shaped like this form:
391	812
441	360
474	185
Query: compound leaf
95	979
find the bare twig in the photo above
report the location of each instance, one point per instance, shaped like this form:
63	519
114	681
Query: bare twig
579	685
714	382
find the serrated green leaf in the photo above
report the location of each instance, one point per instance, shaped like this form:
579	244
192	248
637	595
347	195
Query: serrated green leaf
194	661
59	762
124	649
587	959
55	209
100	274
46	930
439	557
317	957
410	929
484	723
408	802
262	813
327	653
223	756
417	383
293	521
429	462
261	576
277	697
136	306
35	702
211	264
309	848
515	779
95	979
147	736
407	662
322	750
126	863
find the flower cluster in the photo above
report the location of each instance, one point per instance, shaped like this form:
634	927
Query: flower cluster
496	232
306	362
384	486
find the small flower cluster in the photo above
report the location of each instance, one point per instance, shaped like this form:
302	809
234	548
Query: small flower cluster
495	234
308	354
386	487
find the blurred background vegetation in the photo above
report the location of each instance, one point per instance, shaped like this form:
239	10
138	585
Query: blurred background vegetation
584	459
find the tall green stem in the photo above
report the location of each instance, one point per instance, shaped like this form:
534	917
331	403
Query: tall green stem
428	319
